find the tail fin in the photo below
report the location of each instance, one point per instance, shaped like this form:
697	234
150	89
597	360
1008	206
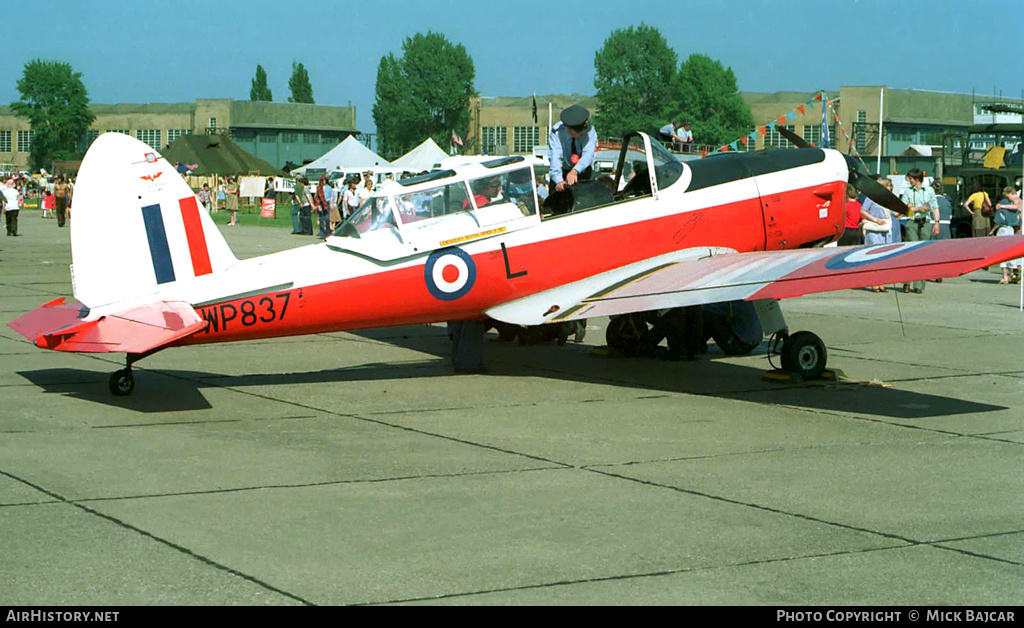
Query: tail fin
138	228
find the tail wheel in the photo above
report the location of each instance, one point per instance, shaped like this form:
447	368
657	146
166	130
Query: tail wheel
804	353
627	335
121	383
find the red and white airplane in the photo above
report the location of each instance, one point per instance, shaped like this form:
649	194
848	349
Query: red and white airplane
151	270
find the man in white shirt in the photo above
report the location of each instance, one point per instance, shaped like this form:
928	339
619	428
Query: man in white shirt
686	137
12	207
668	133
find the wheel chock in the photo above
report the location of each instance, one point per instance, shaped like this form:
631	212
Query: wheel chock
779	376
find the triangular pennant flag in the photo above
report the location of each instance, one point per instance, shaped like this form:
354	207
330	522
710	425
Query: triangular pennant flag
763	130
811	105
744	140
837	117
791	116
771	125
818	97
734	146
724	149
782	120
800	108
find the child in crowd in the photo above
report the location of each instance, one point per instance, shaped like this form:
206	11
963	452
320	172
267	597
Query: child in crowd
204	196
49	204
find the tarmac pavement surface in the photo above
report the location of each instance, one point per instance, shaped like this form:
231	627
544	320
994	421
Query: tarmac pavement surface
356	468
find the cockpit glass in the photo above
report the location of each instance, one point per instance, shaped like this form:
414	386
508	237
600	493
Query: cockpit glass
667	168
510	190
421	205
374	214
487	200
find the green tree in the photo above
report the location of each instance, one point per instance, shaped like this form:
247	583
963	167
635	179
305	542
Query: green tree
707	94
424	93
260	90
56	103
634	74
299	84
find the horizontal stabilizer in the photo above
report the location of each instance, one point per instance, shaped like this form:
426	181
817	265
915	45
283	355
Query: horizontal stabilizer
63	326
663	282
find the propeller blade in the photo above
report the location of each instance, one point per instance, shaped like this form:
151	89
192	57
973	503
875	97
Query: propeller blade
795	139
876	192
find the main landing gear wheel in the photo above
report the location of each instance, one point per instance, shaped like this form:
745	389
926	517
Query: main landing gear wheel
627	334
804	354
122	383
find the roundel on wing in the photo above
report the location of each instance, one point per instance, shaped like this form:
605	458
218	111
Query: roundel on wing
449	274
871	255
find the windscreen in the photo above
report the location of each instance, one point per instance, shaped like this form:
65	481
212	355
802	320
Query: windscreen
377	212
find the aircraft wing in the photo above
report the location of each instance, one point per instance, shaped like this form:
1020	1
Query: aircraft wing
61	325
710	275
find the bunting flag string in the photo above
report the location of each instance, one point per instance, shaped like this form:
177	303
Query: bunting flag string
750	139
849	142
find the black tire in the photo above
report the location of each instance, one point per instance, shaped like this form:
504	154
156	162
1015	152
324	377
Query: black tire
727	340
507	332
627	335
804	354
530	335
121	383
563	333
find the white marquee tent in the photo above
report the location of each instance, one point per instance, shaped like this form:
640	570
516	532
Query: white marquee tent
423	157
350	154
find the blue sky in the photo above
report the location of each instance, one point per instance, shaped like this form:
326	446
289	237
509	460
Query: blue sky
158	51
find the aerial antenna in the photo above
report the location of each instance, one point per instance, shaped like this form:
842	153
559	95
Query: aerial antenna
900	312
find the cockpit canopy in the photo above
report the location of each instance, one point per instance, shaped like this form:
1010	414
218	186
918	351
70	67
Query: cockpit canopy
478	200
442	207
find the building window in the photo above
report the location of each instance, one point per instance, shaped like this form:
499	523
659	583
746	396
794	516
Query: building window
173	134
89	137
812	134
5	141
901	136
492	136
25	141
327	140
774	139
311	138
149	136
289	138
862	132
524	138
121	131
213	124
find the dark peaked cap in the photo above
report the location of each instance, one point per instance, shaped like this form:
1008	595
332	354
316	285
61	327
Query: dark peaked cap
575	115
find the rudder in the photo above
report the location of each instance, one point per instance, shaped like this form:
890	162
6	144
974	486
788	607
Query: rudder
138	228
